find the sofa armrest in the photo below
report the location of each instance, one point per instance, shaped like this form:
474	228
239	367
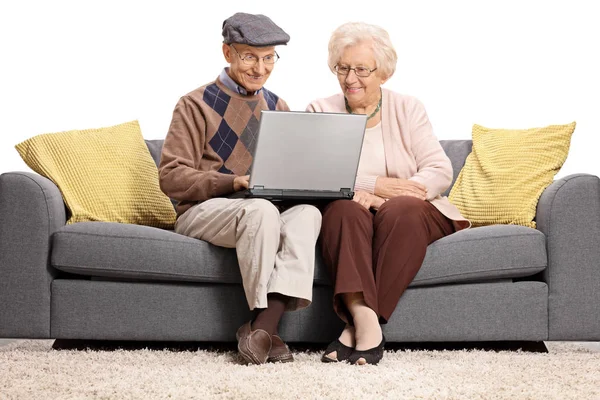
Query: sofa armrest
568	213
31	210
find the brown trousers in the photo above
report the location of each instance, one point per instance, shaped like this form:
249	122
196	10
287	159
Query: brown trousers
378	254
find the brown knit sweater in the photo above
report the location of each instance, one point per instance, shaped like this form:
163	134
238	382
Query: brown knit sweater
211	141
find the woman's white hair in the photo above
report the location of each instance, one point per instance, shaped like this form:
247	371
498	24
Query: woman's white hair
353	33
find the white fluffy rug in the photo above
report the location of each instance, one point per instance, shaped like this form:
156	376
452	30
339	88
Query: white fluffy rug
31	369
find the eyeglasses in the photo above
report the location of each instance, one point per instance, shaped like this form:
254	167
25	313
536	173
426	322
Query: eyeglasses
363	72
251	59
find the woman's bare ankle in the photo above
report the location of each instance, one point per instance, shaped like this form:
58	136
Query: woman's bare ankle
347	337
368	332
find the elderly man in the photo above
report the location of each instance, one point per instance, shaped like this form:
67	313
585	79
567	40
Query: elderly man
207	156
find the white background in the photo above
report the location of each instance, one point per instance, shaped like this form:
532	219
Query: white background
506	64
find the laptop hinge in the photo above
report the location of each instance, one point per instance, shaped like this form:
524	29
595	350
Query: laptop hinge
259	187
347	193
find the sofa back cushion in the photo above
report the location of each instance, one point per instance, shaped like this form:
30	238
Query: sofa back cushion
456	150
155	148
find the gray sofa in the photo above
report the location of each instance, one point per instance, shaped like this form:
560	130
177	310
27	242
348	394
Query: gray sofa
112	281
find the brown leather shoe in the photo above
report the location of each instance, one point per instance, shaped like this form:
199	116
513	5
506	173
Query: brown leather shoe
253	345
280	352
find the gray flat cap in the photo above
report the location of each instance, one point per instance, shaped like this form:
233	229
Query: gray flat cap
254	30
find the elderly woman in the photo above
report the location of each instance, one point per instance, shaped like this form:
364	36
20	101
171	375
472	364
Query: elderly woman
375	245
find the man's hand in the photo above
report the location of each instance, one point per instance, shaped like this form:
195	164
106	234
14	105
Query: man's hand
394	187
240	183
368	200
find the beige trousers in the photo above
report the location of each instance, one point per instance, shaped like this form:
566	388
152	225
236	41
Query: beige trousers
275	251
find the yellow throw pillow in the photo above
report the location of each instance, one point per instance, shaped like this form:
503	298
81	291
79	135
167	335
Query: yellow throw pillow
104	174
507	171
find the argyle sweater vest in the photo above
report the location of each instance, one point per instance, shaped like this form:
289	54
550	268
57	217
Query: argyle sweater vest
211	140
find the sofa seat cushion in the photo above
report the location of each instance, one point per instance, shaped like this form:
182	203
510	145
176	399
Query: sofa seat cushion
124	251
140	252
485	253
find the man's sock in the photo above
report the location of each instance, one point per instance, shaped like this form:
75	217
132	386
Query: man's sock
268	318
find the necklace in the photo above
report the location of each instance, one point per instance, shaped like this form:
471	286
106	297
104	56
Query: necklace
370	116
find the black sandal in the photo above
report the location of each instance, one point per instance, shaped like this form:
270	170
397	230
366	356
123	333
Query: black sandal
371	356
343	352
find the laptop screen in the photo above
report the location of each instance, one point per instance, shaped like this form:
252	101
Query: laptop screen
307	151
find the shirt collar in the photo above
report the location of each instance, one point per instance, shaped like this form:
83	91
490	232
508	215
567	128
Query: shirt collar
231	84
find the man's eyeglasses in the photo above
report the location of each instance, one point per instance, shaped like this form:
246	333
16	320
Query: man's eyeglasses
251	59
363	72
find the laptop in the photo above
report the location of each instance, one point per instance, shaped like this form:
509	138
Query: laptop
303	156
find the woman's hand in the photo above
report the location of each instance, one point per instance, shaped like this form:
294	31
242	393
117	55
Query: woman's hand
240	182
394	187
368	200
